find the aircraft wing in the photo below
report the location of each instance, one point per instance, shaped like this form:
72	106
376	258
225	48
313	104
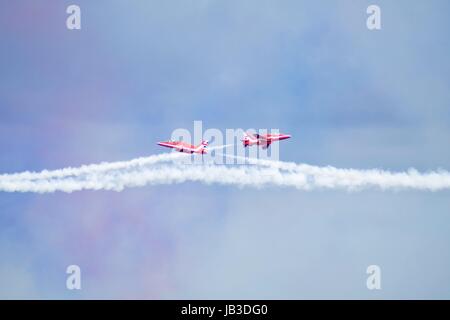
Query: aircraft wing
167	144
261	137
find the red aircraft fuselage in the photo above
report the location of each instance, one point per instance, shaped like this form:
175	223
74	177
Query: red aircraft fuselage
263	140
181	146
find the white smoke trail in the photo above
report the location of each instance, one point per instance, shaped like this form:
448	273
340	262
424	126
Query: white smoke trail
351	179
167	174
100	167
220	147
265	173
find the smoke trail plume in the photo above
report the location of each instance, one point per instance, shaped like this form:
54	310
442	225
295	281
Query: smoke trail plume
100	167
164	169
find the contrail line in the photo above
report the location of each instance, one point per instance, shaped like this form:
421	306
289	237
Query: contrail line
166	169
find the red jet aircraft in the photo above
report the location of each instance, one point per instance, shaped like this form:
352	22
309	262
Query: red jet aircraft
263	140
185	147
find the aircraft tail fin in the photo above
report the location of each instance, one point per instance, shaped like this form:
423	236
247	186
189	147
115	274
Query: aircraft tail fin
202	146
248	139
248	136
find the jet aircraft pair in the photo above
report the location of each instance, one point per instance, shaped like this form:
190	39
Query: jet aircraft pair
250	139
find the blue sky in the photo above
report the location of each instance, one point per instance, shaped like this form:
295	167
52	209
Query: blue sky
137	70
